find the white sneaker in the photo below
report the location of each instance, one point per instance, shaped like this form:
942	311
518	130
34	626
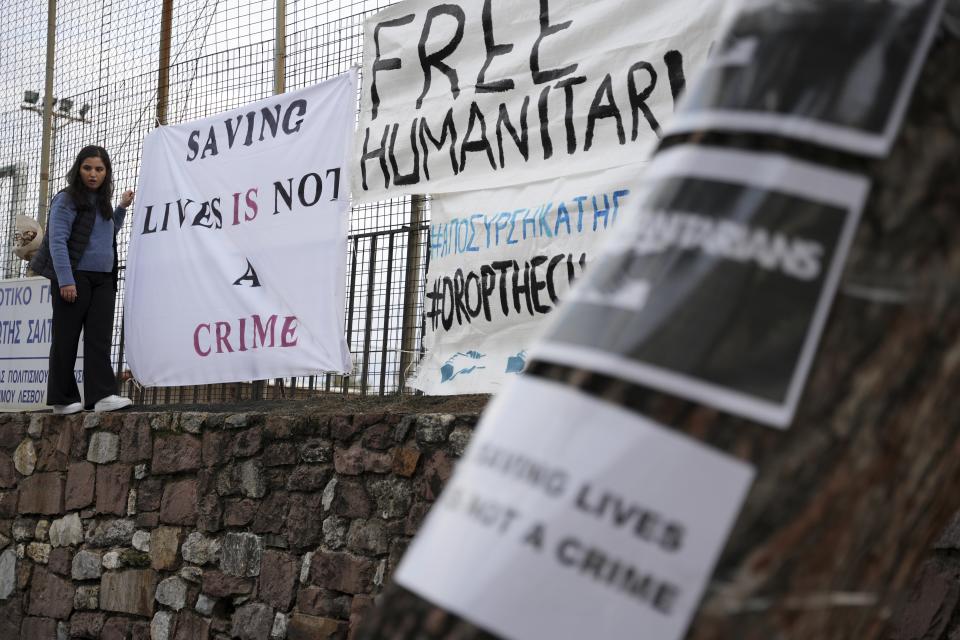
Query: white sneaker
112	403
67	409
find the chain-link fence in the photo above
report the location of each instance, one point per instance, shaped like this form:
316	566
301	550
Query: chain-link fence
108	79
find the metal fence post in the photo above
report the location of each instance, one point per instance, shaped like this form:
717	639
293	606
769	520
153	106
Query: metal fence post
47	111
411	288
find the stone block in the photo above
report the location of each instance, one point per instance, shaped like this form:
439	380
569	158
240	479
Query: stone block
42	493
215	447
279	629
405	461
113	488
39	552
161	627
459	439
8	503
240	554
315	450
335	530
149	494
66	531
136	441
190	626
87	625
272	513
191	422
111	533
176	453
86	565
38	629
304	526
304	627
278	579
239	512
172	592
57	445
246	443
433	427
378	436
252	482
280	454
25	458
81	480
23	529
368	537
217	584
237	421
209	513
104	447
343	428
8	573
199	549
11	615
13	431
141	541
50	595
347	498
179	503
437	468
252	621
60	560
342	572
8	476
164	542
128	591
309	478
321	602
392	496
87	598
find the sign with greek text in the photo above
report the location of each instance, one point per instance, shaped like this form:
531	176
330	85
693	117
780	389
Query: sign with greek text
571	518
472	95
500	260
25	334
238	247
837	73
719	290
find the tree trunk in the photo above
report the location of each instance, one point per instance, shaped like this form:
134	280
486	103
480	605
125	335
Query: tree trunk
847	501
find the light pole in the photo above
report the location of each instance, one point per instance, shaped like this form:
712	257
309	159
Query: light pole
62	113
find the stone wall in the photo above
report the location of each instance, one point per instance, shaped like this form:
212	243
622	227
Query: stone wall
208	526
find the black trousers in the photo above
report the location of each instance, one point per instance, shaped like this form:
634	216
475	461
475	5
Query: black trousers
92	313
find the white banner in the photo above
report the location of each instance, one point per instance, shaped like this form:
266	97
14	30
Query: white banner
25	331
570	518
470	95
500	261
238	250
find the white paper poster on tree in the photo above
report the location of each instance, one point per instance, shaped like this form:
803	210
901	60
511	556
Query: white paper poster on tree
482	94
238	251
500	261
571	518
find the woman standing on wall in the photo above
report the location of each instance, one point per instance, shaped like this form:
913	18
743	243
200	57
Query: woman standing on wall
79	255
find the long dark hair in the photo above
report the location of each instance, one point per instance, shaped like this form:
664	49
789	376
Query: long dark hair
78	191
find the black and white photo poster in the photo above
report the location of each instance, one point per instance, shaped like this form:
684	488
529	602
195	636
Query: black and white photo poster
720	290
838	73
571	518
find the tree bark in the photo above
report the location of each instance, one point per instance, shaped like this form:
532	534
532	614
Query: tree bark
848	501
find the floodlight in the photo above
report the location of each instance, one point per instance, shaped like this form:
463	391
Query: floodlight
31	97
66	104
